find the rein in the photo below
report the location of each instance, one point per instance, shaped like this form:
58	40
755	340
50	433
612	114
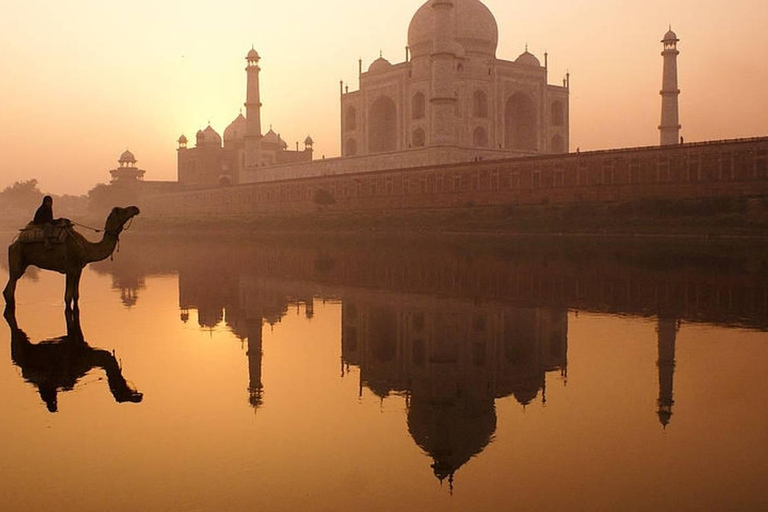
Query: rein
116	234
87	227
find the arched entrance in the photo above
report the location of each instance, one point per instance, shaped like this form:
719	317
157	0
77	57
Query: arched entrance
480	138
419	138
382	125
558	146
521	123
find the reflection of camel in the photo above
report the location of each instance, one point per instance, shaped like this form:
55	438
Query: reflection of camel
69	257
58	364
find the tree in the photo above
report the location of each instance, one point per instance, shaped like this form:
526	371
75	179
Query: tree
22	195
103	197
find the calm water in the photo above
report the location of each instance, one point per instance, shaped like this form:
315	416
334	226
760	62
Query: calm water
366	376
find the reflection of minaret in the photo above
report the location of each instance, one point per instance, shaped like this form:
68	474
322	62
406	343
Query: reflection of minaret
255	387
667	330
670	117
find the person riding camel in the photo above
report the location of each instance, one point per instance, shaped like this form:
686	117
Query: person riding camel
44	214
44	219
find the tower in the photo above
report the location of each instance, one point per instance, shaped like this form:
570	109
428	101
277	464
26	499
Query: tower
670	117
443	101
252	111
255	354
667	331
127	172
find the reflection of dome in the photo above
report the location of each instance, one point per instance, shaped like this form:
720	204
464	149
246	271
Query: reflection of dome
127	157
474	28
528	59
380	65
526	388
450	434
235	130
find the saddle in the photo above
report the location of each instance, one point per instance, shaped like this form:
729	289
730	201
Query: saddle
54	233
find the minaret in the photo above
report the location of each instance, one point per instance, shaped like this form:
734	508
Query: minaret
667	332
670	117
443	100
252	111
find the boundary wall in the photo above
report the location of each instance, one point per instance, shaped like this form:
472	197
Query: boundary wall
721	169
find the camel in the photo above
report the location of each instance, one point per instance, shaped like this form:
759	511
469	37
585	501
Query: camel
68	257
58	364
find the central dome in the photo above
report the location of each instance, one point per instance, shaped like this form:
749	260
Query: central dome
474	28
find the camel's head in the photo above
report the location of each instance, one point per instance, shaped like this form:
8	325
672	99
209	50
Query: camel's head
118	217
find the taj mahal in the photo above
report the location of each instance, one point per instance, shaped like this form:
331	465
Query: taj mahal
451	100
451	126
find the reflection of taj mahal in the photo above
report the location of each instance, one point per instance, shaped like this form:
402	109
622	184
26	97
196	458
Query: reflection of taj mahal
451	100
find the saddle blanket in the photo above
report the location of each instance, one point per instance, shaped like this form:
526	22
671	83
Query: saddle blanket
56	233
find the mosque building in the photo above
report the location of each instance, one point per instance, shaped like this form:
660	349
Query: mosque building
453	91
451	100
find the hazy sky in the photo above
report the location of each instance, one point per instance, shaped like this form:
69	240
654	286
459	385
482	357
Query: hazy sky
83	80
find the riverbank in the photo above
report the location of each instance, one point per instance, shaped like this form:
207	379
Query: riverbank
704	218
693	218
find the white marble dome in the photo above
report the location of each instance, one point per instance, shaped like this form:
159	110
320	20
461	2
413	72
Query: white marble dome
528	59
474	28
235	130
380	65
210	136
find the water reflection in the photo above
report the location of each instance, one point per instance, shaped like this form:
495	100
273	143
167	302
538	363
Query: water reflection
57	365
667	331
455	331
452	360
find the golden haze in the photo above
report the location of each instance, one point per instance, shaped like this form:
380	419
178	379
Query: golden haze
83	80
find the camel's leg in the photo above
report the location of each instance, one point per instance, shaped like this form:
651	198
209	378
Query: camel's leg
69	291
16	269
76	292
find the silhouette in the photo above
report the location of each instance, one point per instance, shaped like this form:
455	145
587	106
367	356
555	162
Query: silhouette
68	258
667	335
452	360
44	214
58	364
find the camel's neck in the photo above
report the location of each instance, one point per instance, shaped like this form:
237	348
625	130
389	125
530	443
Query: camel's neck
101	250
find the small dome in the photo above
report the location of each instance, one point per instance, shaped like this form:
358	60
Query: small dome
670	36
211	136
252	55
127	157
473	27
528	59
308	141
270	138
236	129
380	65
183	139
